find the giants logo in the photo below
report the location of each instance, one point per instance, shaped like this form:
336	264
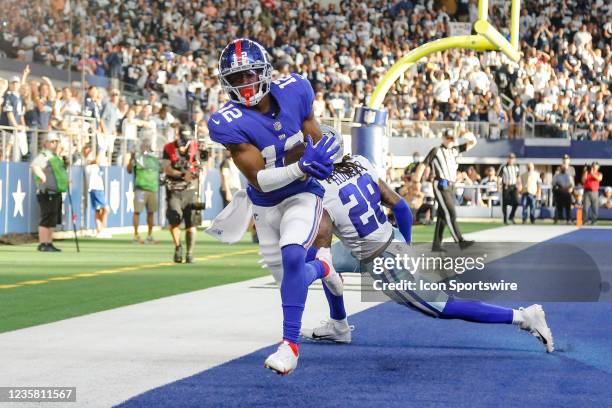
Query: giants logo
239	59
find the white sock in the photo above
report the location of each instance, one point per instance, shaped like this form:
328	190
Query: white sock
324	252
517	317
322	255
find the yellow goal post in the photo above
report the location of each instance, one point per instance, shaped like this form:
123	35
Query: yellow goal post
487	38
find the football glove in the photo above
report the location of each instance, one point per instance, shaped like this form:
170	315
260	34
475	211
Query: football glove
317	161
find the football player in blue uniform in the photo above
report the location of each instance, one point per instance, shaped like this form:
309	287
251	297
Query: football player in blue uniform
260	123
353	203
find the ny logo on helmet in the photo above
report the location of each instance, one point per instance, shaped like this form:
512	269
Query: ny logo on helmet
239	61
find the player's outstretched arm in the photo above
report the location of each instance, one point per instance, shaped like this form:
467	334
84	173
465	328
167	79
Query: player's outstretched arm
400	208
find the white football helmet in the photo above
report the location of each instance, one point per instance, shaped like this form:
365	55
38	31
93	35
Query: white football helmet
331	132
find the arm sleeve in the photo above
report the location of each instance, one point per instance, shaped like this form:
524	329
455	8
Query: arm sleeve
278	177
430	156
403	218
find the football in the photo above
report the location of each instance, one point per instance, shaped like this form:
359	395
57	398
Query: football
294	154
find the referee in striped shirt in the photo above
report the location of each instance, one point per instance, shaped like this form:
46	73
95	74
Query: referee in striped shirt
442	160
510	180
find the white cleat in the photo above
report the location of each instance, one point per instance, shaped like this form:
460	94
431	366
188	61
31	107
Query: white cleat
337	331
332	280
283	361
534	321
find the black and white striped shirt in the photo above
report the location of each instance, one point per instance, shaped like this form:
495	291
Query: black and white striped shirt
443	163
509	174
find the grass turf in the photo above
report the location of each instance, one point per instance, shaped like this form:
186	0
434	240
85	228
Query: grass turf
32	303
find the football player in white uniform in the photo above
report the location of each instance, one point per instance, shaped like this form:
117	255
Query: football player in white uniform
353	201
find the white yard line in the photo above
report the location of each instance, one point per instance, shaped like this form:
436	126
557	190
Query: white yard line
520	233
114	355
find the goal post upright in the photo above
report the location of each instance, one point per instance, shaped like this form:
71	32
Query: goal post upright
368	125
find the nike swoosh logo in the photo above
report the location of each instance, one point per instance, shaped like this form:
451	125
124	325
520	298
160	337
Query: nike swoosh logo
306	164
216	121
540	334
317	337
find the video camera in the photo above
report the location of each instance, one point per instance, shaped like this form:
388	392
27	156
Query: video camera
187	137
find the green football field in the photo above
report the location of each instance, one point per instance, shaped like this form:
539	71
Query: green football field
38	287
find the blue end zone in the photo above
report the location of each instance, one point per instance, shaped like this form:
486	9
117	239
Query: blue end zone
400	358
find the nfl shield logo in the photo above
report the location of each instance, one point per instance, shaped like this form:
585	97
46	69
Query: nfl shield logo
277	126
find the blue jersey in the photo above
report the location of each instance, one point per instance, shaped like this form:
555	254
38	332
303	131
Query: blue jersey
273	136
12	103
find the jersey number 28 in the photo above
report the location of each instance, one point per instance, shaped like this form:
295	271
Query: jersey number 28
367	196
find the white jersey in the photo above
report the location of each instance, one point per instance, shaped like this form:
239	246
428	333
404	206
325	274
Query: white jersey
353	203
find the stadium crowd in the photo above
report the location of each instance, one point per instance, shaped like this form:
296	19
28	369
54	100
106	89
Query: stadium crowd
168	51
30	107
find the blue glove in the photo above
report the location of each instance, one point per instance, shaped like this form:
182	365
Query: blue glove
318	170
317	160
443	184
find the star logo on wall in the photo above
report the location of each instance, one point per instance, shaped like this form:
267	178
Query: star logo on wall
129	196
18	196
208	195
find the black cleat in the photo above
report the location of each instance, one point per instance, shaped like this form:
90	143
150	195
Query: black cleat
41	247
189	258
52	248
465	244
178	254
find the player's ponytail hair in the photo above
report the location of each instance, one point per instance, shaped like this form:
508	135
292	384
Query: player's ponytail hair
347	167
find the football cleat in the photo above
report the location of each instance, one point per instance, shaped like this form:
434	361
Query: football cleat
178	254
337	331
534	321
331	279
284	360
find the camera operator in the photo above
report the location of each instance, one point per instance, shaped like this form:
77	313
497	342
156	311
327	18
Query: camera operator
182	166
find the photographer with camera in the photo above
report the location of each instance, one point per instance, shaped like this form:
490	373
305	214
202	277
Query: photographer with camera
182	167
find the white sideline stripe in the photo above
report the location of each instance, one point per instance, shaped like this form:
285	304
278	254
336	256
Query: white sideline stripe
519	233
114	355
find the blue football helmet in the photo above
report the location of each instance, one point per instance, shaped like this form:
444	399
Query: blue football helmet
245	71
